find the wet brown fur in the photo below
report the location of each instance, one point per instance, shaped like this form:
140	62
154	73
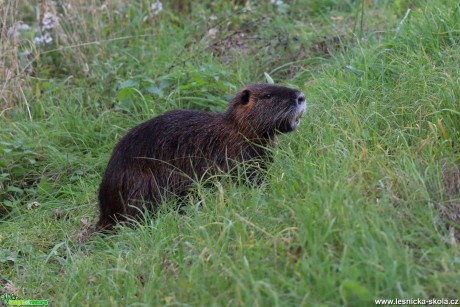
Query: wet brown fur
162	156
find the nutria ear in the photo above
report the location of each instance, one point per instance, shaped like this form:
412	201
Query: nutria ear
244	97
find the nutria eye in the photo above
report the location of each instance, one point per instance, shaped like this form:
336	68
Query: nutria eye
268	96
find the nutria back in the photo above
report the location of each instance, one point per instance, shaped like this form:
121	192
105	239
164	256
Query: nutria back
161	157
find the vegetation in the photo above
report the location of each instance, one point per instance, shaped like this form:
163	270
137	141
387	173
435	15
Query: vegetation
361	203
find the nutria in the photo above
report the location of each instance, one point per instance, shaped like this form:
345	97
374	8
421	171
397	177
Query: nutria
162	156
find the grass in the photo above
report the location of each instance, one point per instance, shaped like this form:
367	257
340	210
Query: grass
361	203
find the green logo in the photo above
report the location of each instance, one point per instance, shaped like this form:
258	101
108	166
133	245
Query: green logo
12	300
7	297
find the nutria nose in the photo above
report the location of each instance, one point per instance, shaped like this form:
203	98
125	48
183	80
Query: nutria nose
301	99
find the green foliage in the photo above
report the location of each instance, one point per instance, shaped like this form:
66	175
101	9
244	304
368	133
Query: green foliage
18	171
188	87
362	202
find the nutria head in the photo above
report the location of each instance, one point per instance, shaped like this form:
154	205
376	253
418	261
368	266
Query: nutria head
266	109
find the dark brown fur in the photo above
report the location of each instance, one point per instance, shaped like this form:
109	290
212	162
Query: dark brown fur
162	156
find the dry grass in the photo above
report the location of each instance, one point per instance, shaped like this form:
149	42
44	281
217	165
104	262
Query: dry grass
11	75
451	210
59	40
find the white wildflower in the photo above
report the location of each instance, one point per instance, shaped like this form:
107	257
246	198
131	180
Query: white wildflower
49	20
46	38
22	26
157	7
280	4
25	53
38	40
15	31
213	17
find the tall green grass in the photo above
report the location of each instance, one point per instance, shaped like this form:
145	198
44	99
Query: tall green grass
361	203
